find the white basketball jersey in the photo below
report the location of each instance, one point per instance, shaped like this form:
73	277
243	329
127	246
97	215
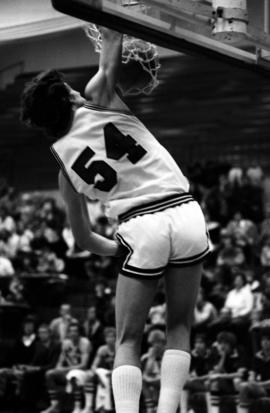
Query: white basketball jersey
109	155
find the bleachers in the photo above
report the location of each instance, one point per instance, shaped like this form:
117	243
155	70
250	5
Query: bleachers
215	113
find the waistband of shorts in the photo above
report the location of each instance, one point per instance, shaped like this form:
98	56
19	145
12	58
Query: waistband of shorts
156	206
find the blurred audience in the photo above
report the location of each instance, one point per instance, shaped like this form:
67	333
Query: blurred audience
94	330
97	388
74	356
258	383
151	364
204	312
229	366
36	241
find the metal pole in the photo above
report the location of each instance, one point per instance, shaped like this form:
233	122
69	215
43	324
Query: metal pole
266	16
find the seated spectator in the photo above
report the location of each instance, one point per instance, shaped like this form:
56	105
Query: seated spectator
235	175
204	312
199	370
16	291
48	262
236	313
26	237
74	356
55	241
50	213
258	384
264	232
228	368
45	357
21	355
99	376
265	296
239	301
12	243
102	298
265	254
93	330
157	313
109	316
59	326
6	221
151	364
3	300
243	230
255	174
6	267
229	254
261	319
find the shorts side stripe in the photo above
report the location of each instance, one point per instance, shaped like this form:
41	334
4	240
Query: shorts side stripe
131	271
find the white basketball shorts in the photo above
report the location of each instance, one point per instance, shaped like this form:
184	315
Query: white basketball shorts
169	232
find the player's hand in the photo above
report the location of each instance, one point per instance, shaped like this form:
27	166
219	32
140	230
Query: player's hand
121	251
105	31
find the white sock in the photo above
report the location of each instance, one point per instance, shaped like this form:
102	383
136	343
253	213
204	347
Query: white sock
127	387
174	373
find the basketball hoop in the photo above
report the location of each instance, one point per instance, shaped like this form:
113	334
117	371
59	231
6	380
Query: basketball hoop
134	50
230	20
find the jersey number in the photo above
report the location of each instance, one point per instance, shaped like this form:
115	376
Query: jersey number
116	145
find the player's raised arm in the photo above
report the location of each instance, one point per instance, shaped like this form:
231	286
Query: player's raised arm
101	88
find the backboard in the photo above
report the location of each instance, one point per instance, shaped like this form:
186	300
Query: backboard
221	29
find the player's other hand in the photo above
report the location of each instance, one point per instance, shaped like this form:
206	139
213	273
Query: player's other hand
121	251
106	32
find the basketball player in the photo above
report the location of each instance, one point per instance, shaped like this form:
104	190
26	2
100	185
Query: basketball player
106	153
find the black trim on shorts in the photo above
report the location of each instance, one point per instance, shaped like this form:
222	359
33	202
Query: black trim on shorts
195	259
135	272
156	206
144	277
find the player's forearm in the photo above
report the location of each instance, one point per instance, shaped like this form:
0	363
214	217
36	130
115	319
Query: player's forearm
111	53
110	60
97	244
85	237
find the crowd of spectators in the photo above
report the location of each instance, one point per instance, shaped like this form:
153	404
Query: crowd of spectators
231	330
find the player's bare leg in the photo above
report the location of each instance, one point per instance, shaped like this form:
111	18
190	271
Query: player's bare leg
133	300
181	290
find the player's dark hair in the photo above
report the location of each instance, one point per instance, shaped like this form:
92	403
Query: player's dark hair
46	104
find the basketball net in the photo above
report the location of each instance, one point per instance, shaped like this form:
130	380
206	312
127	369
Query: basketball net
134	49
